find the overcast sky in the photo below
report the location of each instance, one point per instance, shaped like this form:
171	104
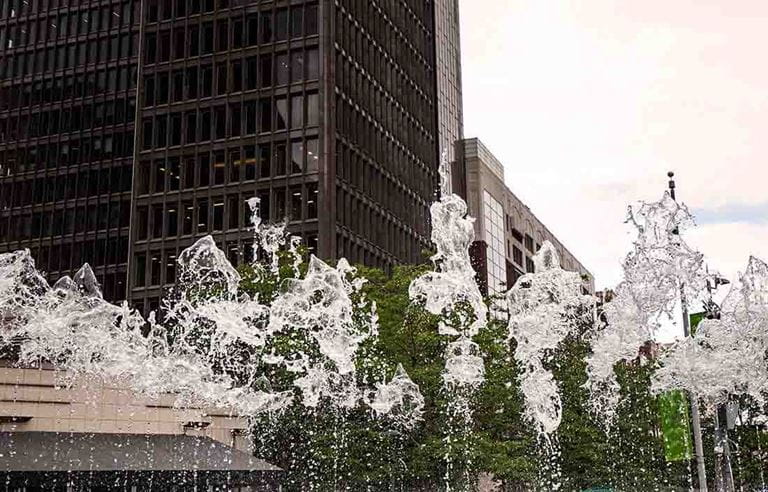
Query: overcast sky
588	104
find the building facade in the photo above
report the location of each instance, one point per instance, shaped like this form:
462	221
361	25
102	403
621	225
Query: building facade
38	399
507	233
450	104
130	129
228	110
325	111
67	106
94	435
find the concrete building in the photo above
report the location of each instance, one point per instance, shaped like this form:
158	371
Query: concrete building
507	233
92	435
131	128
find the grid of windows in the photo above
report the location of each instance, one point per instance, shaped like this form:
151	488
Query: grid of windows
386	136
235	99
449	89
67	106
493	216
229	110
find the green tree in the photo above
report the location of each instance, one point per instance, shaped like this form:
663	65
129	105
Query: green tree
354	450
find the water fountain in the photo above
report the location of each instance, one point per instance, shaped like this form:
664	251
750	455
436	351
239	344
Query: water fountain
283	339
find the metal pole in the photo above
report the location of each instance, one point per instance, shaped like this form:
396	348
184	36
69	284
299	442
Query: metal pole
695	417
724	481
730	482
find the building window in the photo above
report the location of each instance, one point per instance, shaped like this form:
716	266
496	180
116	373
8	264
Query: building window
142	216
310	20
313	155
233	212
188	210
170	267
249	163
157	221
202	216
172	225
297	111
219	167
297	156
279	159
155	268
218	215
282	69
281	113
312	201
312	65
517	256
313	110
295	197
140	270
493	214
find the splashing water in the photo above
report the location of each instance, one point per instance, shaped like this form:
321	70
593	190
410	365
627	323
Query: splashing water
661	264
267	237
399	399
624	330
658	270
214	343
726	357
322	305
543	309
451	291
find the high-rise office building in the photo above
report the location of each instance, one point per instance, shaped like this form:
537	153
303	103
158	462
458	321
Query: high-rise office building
449	92
326	111
67	105
229	109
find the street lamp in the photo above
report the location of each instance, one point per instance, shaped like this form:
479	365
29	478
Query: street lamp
695	417
723	469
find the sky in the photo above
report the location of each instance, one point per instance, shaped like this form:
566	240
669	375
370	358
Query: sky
588	104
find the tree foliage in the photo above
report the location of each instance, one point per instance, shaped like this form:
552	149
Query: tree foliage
323	449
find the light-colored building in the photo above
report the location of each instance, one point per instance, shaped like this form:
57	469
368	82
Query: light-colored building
94	431
507	233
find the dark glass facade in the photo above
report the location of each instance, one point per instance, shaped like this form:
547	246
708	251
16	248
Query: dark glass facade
384	152
67	107
229	110
449	91
326	111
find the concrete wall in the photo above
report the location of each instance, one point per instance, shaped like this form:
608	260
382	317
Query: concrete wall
93	407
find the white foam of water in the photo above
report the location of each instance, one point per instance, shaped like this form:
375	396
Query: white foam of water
451	291
212	343
544	308
399	399
659	268
726	357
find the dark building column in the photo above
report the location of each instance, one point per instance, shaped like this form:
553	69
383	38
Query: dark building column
327	214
